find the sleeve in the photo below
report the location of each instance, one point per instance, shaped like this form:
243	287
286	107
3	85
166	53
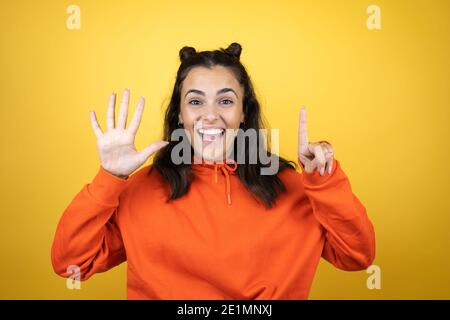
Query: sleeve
349	234
87	235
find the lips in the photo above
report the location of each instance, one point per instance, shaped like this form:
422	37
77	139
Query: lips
210	134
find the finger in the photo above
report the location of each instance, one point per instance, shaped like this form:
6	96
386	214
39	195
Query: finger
110	113
123	113
303	132
326	149
330	163
95	126
328	153
147	152
304	160
319	158
311	166
322	169
308	165
312	162
137	116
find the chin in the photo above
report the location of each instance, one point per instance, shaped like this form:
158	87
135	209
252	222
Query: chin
209	154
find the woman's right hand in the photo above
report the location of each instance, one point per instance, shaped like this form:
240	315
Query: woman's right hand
116	149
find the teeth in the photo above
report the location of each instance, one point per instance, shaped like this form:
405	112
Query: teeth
210	131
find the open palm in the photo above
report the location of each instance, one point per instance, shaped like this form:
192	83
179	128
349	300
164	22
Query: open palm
117	152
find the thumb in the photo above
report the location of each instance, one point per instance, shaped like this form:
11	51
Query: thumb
148	151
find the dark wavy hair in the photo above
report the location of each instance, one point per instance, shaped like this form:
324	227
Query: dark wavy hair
179	177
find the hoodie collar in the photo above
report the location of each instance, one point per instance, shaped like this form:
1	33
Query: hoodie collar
227	169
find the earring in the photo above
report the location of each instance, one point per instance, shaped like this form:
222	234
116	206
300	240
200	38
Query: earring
179	124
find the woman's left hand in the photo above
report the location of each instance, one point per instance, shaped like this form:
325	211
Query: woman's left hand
318	155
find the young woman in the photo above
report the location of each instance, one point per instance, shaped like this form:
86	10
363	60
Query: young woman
212	227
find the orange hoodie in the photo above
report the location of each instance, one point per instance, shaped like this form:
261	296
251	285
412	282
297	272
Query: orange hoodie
217	241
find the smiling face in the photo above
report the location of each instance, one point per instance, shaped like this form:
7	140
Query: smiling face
211	101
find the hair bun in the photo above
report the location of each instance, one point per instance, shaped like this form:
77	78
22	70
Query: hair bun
234	50
186	52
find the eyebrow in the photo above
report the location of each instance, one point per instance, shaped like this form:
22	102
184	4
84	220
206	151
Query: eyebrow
224	90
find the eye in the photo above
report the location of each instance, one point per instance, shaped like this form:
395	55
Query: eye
194	102
227	101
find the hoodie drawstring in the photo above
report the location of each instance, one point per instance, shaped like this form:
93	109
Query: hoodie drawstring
225	169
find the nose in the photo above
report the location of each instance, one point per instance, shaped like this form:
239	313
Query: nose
210	113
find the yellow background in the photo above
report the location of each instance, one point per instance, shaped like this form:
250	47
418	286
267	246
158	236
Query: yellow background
381	97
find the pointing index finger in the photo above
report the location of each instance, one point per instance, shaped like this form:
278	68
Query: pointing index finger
303	130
